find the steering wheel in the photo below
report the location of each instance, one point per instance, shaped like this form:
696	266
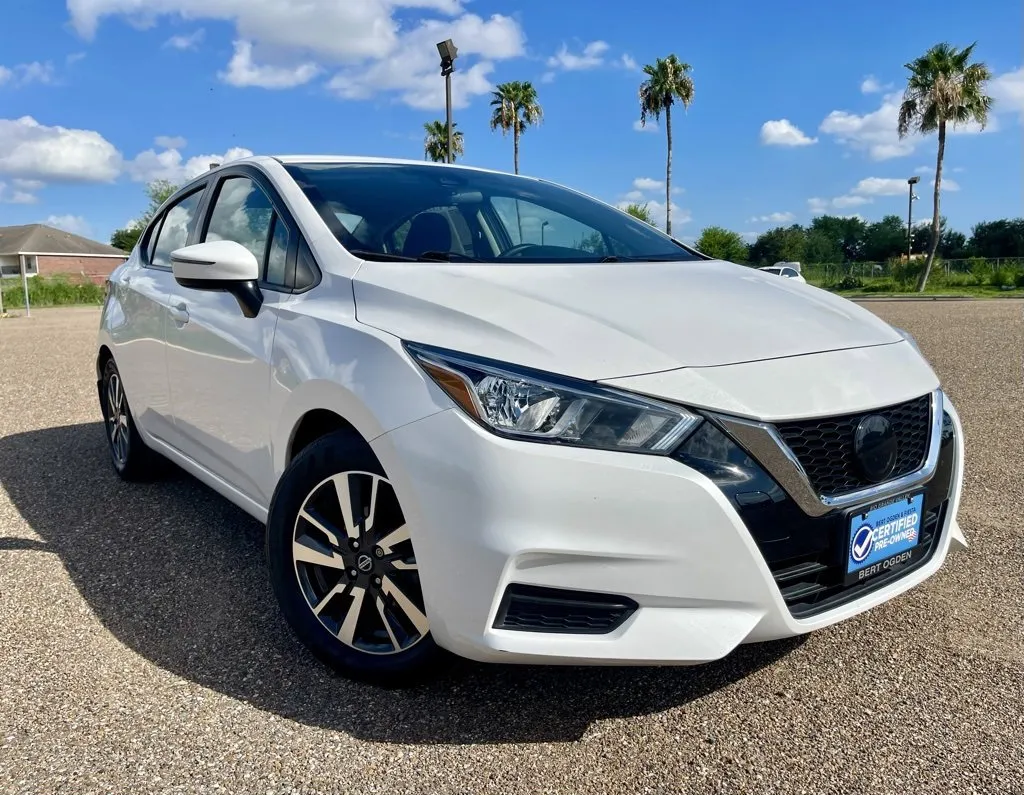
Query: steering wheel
517	250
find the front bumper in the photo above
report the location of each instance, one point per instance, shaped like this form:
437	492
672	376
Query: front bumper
488	512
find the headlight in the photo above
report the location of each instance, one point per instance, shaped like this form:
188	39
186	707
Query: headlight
535	406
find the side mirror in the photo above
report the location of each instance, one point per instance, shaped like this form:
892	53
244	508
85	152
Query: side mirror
221	265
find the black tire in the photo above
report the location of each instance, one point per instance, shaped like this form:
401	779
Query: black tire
132	460
391	650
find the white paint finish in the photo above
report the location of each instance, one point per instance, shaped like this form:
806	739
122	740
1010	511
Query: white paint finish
492	511
218	368
222	395
598	321
134	322
218	260
815	385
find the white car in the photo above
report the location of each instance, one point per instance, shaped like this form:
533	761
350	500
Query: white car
786	270
487	414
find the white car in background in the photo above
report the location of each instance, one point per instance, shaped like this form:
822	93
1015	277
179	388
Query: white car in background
488	414
788	270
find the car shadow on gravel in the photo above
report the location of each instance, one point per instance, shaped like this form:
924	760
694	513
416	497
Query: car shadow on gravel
177	574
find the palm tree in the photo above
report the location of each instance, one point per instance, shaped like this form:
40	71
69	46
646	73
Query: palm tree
667	80
944	87
515	108
435	145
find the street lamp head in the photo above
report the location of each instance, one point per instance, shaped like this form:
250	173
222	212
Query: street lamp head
913	180
448	52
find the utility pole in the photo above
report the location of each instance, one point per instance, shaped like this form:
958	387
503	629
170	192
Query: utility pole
910	214
448	52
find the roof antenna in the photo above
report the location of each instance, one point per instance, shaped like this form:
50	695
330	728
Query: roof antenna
213	166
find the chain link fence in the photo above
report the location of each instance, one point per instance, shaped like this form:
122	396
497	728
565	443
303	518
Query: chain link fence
1002	272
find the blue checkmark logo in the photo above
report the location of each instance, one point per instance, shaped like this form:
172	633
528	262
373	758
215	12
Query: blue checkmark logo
863	541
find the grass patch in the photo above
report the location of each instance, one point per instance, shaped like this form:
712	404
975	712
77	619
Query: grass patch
50	291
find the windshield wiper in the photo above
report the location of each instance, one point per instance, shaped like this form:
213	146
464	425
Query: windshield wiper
446	256
379	256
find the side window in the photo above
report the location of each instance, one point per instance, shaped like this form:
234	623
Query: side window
277	254
527	223
242	212
788	272
175	227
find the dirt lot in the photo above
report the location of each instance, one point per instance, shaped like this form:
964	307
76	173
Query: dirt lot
141	651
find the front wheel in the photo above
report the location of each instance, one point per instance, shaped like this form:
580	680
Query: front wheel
343	567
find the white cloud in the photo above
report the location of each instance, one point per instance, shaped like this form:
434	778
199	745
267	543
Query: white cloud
188	41
591	57
414	76
849	200
924	169
948	185
75	224
634	196
876	132
171	165
34	151
774	218
650	127
27	73
880	186
74	58
283	42
170	142
646	183
782	132
629	63
8	196
242	71
1008	92
870	85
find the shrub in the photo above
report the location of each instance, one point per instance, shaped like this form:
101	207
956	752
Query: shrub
1001	278
954	279
906	273
1020	279
849	283
980	268
51	291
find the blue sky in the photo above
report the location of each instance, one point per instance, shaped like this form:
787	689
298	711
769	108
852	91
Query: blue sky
794	112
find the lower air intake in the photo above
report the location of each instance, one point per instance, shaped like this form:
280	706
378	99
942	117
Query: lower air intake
530	608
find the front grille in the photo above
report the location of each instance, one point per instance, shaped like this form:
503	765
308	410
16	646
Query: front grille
531	608
824	447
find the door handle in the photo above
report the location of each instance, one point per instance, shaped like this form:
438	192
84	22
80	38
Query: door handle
179	313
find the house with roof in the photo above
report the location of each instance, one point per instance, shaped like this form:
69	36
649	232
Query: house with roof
41	249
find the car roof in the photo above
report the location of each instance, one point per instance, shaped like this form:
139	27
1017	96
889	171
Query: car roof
314	159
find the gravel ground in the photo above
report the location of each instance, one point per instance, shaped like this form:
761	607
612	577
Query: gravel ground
142	651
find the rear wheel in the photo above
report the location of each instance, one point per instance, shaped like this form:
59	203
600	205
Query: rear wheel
131	458
343	567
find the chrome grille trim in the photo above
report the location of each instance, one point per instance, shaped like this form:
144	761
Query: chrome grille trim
764	443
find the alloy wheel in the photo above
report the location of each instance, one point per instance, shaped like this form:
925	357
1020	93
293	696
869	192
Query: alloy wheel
355	564
117	420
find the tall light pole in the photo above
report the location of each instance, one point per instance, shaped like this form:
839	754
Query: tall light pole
910	214
448	52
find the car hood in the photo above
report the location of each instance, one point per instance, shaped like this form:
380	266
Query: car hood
598	321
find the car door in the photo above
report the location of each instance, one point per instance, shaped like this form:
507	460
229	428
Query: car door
218	360
143	292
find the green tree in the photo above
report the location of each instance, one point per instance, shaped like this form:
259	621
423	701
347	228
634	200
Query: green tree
782	244
884	239
722	243
435	144
1002	238
515	108
127	237
821	247
845	234
668	80
944	87
640	211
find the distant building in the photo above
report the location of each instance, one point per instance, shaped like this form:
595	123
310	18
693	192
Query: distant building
44	250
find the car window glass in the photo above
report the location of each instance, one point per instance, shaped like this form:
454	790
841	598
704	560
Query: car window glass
788	272
242	213
277	254
410	210
175	229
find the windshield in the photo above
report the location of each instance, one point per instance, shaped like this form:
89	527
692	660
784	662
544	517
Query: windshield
411	212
